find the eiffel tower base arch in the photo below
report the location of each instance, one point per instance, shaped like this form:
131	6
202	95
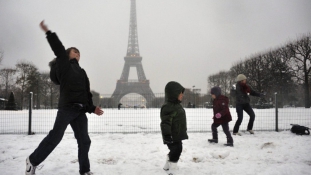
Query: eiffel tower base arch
142	88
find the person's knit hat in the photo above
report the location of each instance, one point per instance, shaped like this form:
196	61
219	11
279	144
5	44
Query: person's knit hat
240	77
216	91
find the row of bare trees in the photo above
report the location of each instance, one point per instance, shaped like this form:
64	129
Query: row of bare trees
285	70
25	78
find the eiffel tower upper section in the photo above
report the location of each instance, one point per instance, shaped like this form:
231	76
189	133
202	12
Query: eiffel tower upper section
133	48
133	58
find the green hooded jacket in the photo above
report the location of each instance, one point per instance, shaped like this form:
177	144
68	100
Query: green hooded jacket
173	116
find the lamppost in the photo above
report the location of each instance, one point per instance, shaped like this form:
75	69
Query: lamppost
38	90
38	103
35	98
143	105
282	82
194	93
193	96
100	101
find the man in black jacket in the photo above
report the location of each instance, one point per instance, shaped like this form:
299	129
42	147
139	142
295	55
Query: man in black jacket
75	100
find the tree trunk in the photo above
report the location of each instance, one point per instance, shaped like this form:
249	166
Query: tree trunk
306	86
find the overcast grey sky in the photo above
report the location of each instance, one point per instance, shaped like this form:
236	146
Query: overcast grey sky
180	40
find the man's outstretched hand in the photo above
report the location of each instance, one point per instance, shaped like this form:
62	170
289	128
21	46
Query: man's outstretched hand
43	26
98	111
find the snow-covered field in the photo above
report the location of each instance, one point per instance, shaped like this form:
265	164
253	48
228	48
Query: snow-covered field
142	152
265	153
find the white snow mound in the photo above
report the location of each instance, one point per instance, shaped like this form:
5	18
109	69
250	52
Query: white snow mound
220	154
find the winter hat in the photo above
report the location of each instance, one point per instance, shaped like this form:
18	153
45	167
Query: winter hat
240	77
216	91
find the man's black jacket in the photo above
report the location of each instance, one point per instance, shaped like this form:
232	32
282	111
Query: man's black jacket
74	83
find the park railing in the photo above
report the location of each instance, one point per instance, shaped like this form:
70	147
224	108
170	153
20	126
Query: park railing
140	118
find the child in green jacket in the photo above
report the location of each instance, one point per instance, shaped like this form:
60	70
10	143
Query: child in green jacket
173	124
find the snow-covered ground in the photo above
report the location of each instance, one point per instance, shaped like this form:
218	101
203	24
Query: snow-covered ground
265	153
118	153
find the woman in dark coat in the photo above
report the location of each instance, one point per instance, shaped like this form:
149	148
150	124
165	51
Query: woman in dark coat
221	115
243	104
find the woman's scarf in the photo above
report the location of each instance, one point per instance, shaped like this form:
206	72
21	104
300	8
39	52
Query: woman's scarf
245	88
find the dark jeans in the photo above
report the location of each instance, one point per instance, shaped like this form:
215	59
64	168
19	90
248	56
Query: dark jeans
225	128
175	151
248	109
75	116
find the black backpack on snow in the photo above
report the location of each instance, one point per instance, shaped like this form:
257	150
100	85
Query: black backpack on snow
300	130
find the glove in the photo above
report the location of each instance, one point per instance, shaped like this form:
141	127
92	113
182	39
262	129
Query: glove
218	115
168	140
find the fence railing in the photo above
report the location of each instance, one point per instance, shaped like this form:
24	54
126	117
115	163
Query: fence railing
147	120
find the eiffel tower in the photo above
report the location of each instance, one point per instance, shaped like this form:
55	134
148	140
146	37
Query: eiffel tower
133	59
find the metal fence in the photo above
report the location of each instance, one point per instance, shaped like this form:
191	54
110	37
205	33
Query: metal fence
140	118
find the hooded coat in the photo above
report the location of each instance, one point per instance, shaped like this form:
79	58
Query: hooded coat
173	116
73	81
221	105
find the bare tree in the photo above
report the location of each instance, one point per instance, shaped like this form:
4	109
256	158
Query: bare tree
44	90
6	76
49	91
24	71
213	80
225	82
285	70
278	74
221	79
301	64
238	68
254	72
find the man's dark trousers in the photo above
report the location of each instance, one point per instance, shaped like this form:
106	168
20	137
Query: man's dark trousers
75	116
